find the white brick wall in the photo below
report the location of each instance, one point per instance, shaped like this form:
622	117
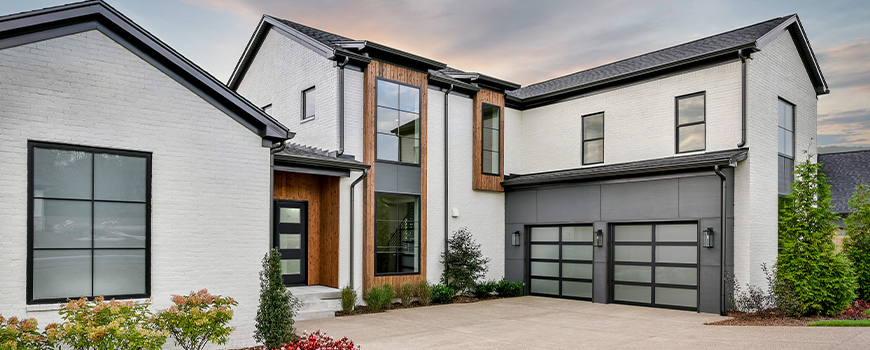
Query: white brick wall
776	71
353	145
210	198
513	141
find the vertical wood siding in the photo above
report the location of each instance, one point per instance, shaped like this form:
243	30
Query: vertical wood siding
479	180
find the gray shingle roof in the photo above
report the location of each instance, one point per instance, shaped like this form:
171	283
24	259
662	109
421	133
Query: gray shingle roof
326	38
640	167
716	43
301	154
845	171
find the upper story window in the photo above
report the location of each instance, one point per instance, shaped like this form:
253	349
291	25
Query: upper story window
491	139
308	103
593	138
785	136
89	226
268	109
691	123
398	122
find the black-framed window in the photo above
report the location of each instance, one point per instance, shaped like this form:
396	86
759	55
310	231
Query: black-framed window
268	109
593	138
491	139
785	141
397	234
691	122
89	222
308	103
398	122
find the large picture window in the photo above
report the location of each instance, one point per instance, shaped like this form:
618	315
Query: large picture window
691	123
785	136
398	122
397	234
491	139
89	228
593	138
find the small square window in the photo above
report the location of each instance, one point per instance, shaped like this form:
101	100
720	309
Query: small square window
308	103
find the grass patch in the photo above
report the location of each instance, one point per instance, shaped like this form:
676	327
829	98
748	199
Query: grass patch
841	323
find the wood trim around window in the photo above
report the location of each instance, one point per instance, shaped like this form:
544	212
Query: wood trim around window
479	180
374	70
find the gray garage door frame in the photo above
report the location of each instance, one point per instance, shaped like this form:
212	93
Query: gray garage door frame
560	262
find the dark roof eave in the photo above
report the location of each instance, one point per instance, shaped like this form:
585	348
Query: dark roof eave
375	48
324	163
457	85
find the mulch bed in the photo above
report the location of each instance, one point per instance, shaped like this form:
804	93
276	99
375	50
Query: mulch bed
774	317
459	299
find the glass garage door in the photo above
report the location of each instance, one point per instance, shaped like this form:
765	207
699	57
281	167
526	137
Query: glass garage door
560	261
655	264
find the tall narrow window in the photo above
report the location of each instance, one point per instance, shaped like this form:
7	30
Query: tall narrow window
308	103
691	118
785	136
397	236
398	122
593	138
491	139
89	222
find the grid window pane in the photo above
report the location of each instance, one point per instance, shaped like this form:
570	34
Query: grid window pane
577	234
491	139
789	144
627	273
545	234
692	138
291	266
409	99
409	150
119	272
633	233
61	273
61	223
388	147
409	124
388	121
577	271
677	297
593	152
544	251
691	109
491	116
62	173
119	178
593	126
780	136
290	215
577	289
632	253
636	294
545	269
544	286
677	233
577	252
119	225
490	162
677	254
388	94
677	275
290	241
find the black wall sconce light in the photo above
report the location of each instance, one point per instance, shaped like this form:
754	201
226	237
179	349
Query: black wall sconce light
599	238
708	238
515	238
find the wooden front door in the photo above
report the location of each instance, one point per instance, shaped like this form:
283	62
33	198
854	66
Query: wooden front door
291	239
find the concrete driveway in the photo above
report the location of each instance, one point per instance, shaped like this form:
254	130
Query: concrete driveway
545	323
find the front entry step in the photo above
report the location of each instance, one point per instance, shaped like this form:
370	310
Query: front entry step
317	301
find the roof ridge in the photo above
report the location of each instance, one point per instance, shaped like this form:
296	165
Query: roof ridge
292	23
844	152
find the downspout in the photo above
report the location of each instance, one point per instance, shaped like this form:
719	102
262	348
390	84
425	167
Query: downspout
341	106
722	250
352	185
744	67
446	175
272	150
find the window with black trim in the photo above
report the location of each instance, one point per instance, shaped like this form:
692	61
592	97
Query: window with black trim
785	137
308	103
491	137
691	123
397	234
398	122
593	138
89	222
268	109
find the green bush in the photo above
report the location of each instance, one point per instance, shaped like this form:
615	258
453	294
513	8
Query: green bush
819	276
442	294
197	319
857	244
424	293
463	262
100	324
348	300
274	322
380	297
509	289
406	294
485	289
24	335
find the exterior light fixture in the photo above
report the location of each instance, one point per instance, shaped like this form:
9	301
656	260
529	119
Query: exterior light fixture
599	238
516	238
708	238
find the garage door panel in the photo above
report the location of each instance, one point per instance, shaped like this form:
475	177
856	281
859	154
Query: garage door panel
635	294
542	286
545	234
629	253
676	297
632	233
545	269
577	234
677	255
628	273
582	271
677	275
544	251
560	261
577	252
577	289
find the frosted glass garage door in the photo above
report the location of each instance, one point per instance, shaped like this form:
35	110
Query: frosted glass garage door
560	261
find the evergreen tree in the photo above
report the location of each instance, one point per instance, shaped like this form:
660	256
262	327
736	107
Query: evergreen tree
277	305
857	244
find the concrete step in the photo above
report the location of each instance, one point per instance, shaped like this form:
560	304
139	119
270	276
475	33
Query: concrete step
306	293
317	301
328	304
313	315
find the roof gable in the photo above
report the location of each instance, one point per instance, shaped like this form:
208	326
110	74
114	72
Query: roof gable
845	171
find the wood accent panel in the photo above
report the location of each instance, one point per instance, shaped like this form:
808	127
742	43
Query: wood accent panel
479	180
375	70
322	195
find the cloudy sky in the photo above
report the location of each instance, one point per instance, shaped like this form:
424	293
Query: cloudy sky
526	41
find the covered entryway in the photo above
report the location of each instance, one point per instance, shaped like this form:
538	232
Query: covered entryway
291	236
560	261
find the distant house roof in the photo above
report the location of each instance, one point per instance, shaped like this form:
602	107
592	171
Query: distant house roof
32	26
845	171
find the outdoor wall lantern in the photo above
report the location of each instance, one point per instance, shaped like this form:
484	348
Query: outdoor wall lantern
599	238
708	238
516	238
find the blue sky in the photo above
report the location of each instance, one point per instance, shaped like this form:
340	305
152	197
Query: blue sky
526	41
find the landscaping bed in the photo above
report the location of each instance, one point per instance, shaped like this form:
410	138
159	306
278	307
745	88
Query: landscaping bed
774	317
459	299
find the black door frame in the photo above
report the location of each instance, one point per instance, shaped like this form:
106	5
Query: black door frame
560	261
302	227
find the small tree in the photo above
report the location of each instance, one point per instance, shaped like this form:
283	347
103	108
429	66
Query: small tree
463	263
819	276
857	244
277	305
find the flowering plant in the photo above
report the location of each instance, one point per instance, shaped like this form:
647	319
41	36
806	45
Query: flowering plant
318	341
858	308
104	325
197	319
18	334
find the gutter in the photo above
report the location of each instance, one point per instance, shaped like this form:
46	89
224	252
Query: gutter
352	185
744	67
446	176
341	106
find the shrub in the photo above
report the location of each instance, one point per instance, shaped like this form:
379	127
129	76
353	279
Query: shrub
509	289
197	319
485	289
100	324
319	340
274	322
348	300
424	293
779	294
442	294
380	297
857	308
406	294
463	262
820	276
857	244
23	335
